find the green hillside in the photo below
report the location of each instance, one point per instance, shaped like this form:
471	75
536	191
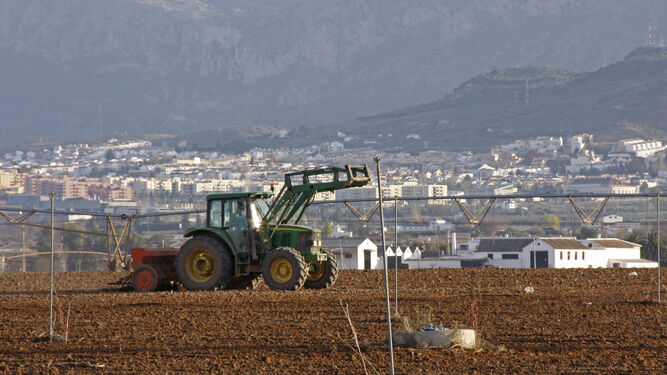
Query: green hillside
622	99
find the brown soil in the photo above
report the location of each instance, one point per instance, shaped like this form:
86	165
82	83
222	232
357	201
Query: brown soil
576	321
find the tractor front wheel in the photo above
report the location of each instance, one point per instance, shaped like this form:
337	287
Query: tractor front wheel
284	269
322	274
203	264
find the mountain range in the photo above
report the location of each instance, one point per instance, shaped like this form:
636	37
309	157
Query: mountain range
75	69
624	99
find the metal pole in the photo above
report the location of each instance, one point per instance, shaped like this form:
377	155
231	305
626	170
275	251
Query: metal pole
384	260
396	220
448	244
23	246
437	240
657	199
395	254
52	252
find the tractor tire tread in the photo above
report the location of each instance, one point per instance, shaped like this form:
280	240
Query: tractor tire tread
330	273
301	269
226	265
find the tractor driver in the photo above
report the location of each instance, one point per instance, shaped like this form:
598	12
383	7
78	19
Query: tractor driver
238	219
238	222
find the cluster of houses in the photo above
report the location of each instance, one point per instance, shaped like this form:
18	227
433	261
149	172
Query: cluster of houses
505	252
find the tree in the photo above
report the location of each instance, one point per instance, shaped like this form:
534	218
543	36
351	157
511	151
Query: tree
632	237
586	232
96	172
636	165
650	250
110	154
556	166
415	214
94	242
73	240
489	228
550	221
327	231
135	241
360	229
649	245
44	237
515	232
536	231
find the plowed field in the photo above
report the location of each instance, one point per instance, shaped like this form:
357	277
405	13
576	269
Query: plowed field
576	321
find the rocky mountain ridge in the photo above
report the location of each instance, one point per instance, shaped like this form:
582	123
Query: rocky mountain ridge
72	69
624	99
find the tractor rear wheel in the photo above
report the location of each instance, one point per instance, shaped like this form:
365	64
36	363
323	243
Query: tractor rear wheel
203	264
284	269
144	279
322	274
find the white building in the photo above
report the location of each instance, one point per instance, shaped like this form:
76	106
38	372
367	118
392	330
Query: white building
353	253
503	252
564	252
462	260
340	231
407	254
561	252
426	191
577	142
433	226
612	219
358	193
600	185
507	204
619	253
391	191
641	148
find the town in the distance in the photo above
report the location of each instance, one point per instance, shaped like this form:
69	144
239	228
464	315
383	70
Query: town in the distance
140	177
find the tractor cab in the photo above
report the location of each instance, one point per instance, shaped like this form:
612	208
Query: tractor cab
240	215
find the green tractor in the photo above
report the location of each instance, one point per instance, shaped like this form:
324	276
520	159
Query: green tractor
248	236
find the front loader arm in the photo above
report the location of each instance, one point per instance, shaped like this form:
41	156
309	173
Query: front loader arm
300	188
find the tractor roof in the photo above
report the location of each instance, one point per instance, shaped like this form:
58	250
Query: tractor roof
239	195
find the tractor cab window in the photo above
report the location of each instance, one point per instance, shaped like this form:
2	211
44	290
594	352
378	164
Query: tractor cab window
235	219
262	206
215	214
235	214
